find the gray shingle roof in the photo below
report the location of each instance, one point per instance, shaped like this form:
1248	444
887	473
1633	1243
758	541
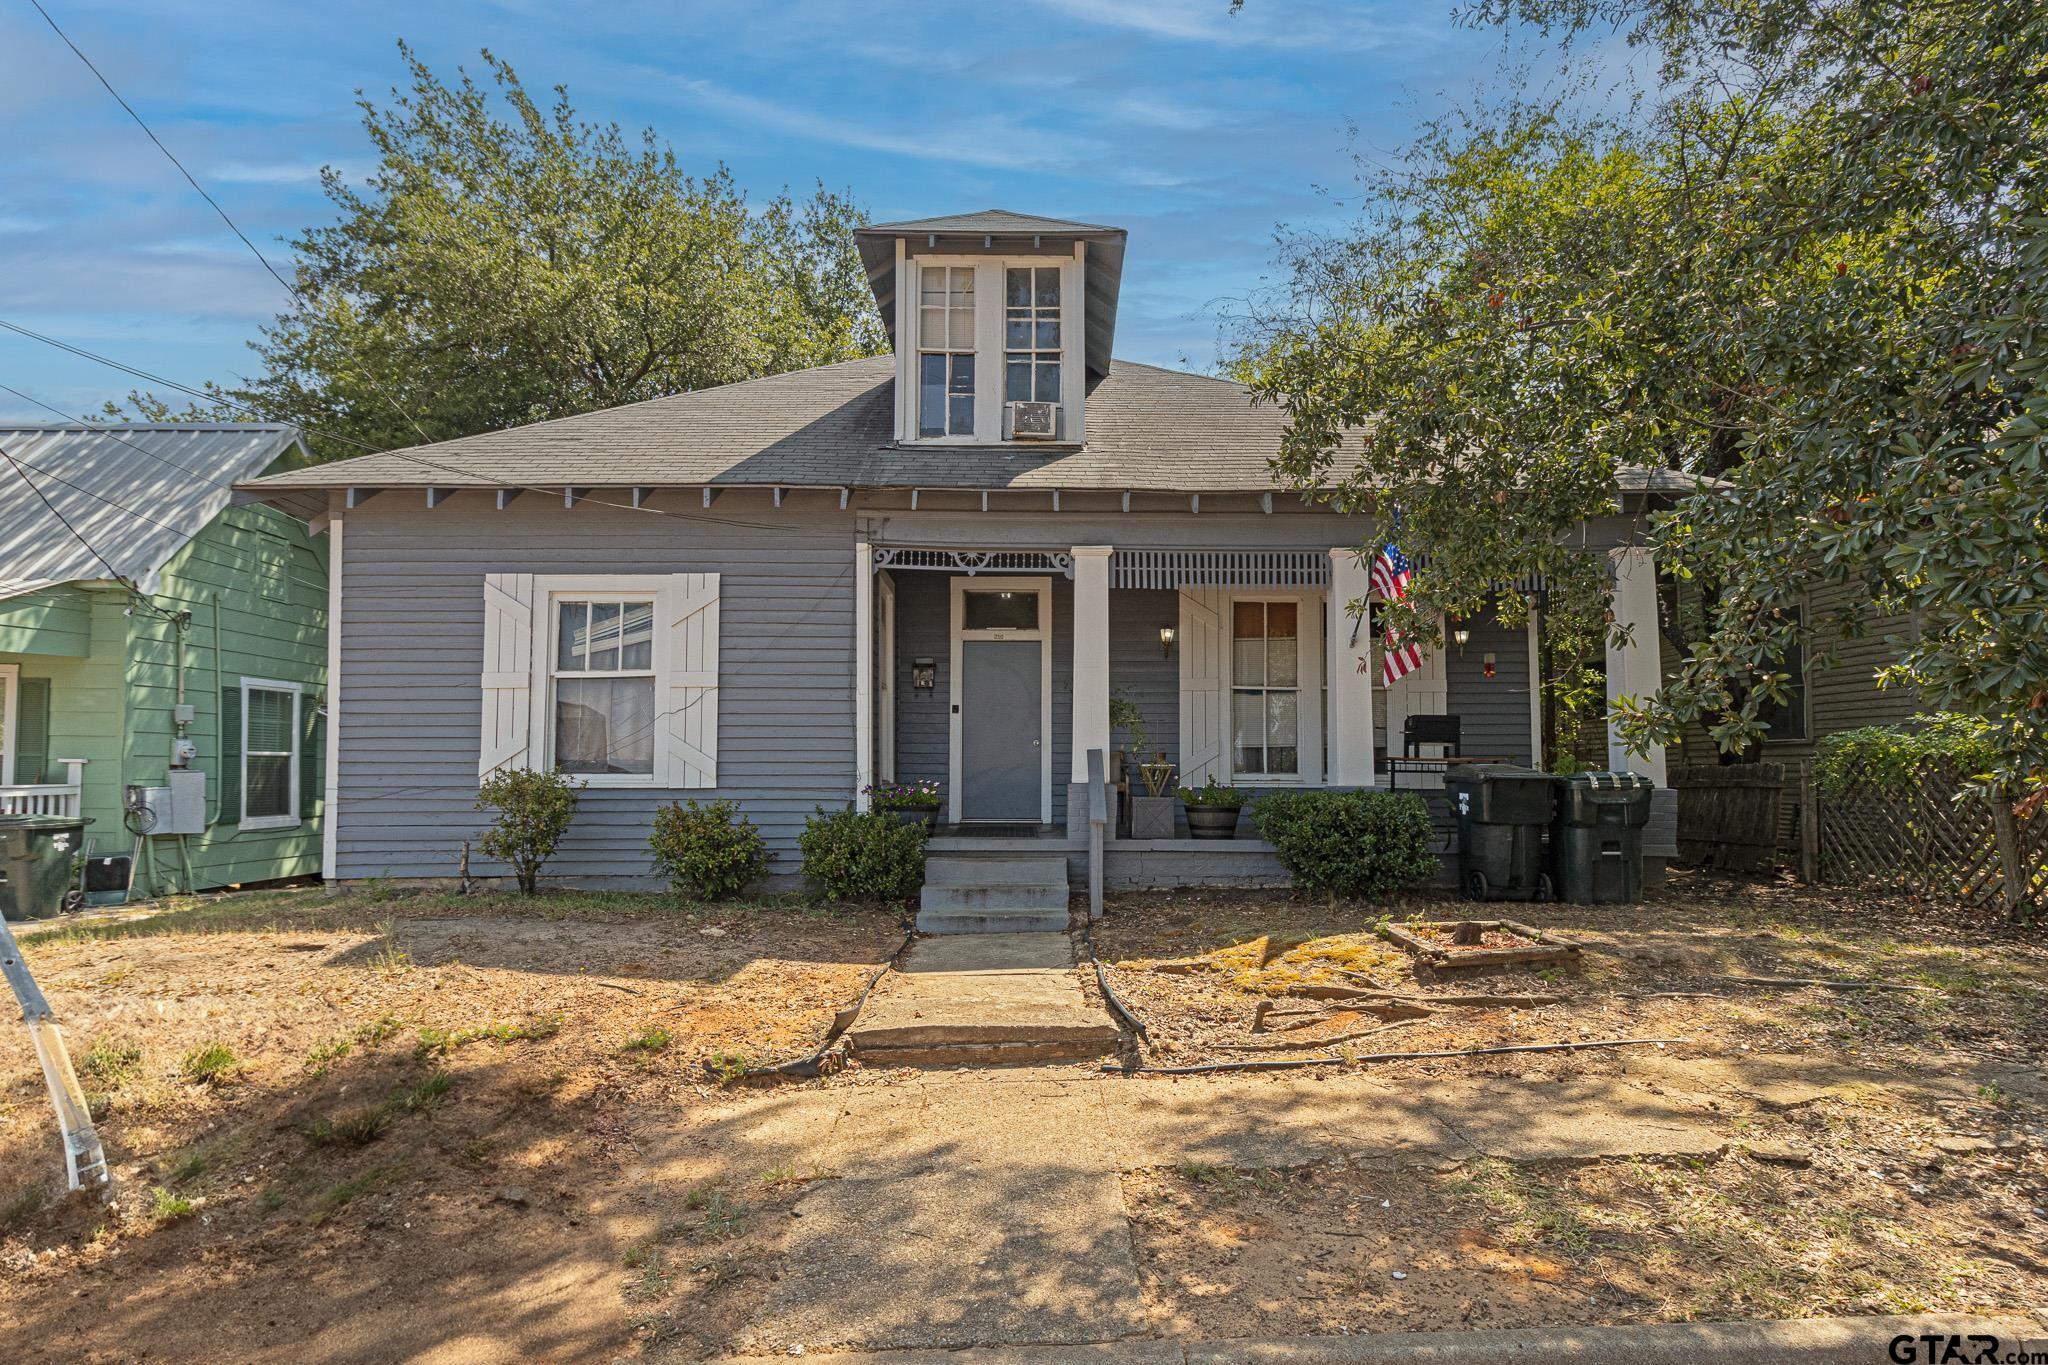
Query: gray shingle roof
135	493
1147	428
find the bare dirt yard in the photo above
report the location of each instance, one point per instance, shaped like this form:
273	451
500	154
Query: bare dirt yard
437	1128
382	1129
1889	1147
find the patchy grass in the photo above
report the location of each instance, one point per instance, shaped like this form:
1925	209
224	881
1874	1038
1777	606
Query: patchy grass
653	1038
213	1064
168	1207
440	1041
24	1204
111	1063
728	1068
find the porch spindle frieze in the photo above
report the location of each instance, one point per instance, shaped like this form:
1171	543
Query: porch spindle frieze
971	562
1220	569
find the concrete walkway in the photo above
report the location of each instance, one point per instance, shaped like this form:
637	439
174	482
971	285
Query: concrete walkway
981	999
1808	1341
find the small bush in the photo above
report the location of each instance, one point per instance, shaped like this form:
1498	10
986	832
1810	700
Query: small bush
1212	795
214	1064
1349	843
850	855
534	810
707	852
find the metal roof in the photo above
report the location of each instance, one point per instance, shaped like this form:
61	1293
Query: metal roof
135	493
1002	230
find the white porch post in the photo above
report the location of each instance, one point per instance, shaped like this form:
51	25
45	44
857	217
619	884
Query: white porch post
330	810
1091	656
1350	686
863	672
1633	670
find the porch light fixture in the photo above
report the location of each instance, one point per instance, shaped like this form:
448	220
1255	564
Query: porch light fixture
1463	637
1165	641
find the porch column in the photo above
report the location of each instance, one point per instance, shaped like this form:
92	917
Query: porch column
1091	656
1634	669
863	672
1350	686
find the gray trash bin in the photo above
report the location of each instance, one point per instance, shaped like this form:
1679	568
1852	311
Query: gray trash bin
37	867
1502	811
1596	841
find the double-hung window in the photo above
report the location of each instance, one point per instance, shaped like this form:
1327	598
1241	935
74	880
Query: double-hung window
1265	688
604	686
270	754
945	343
1031	334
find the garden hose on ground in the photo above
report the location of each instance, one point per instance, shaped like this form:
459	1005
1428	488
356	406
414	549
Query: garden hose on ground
1116	1004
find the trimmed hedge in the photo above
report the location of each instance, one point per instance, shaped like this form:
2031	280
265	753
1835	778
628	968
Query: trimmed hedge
851	856
707	852
1350	844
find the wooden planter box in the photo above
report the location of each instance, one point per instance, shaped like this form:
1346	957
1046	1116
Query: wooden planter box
1539	947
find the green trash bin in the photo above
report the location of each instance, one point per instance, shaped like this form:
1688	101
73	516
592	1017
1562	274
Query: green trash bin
36	875
1502	812
1596	842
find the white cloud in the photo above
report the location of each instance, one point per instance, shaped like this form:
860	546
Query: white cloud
1261	23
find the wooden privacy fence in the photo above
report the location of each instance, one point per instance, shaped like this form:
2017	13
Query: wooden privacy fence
1936	836
1728	816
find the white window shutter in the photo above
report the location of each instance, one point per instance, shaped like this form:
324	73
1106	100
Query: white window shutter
691	752
508	673
1204	685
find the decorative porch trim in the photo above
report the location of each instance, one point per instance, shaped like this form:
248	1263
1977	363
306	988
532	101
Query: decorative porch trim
972	562
1220	569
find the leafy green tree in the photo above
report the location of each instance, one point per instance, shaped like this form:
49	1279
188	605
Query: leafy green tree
508	263
1816	269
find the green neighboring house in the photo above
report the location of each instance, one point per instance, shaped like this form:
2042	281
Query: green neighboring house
163	652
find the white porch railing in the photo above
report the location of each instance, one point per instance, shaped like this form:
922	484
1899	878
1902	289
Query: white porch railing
47	798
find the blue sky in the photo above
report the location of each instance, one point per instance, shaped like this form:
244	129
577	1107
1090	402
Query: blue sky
1196	129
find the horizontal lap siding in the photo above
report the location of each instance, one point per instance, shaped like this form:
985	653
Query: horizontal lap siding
1493	712
1141	671
412	654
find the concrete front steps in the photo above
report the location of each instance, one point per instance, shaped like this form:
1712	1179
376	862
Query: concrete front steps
982	1000
993	893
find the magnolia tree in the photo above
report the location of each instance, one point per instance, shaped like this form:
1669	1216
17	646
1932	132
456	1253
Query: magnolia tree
1814	269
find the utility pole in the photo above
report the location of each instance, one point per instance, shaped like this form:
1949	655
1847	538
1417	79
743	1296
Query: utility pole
85	1161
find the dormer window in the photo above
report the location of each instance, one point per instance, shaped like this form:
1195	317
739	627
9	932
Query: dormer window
1031	334
945	386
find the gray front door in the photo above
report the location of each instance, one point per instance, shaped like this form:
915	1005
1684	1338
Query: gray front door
1001	758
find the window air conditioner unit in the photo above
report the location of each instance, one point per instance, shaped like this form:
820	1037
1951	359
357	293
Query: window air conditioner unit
1034	421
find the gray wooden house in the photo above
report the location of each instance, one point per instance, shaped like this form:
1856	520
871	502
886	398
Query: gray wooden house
941	563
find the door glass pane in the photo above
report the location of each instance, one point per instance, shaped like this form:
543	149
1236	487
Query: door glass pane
637	636
1248	644
1247	732
604	637
604	725
1004	610
572	634
931	396
1049	383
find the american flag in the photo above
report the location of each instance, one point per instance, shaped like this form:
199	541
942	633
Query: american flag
1390	575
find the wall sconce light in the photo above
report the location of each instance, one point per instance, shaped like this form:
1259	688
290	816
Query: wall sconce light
1486	666
924	675
1166	634
1463	637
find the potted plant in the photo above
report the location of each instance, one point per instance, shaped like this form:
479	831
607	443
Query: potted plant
913	803
1125	716
1212	809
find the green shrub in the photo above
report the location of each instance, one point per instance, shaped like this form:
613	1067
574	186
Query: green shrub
214	1064
534	810
850	855
707	852
1349	843
1891	757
